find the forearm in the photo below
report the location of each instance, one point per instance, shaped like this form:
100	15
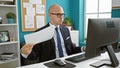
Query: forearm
31	56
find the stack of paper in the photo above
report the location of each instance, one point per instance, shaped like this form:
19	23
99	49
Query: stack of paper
7	55
40	36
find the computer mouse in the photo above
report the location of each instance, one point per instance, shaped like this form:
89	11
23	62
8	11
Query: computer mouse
60	62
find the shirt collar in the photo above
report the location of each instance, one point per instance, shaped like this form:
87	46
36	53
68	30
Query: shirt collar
54	25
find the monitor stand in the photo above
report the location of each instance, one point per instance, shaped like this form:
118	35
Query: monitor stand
118	48
113	59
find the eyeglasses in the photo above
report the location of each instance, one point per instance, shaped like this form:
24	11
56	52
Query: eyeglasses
58	14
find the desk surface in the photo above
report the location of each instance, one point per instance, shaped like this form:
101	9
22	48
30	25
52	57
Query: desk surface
83	64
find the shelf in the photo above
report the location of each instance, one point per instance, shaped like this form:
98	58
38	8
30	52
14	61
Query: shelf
116	7
10	60
8	24
5	43
2	5
12	45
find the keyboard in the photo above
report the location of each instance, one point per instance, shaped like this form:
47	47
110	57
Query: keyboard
77	58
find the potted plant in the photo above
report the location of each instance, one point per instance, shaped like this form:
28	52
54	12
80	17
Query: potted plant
67	22
10	16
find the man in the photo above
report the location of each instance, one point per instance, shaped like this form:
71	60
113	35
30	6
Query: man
57	46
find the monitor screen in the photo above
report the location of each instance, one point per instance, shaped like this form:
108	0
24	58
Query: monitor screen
102	33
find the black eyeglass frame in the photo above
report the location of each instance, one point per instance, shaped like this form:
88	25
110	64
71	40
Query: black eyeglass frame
58	14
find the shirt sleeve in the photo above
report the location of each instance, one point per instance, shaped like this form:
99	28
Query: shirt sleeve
82	49
23	55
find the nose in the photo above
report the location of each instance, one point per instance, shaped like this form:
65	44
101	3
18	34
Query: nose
61	17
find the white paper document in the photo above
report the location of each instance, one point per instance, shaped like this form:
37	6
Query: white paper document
35	1
40	36
30	11
40	9
25	5
40	21
29	21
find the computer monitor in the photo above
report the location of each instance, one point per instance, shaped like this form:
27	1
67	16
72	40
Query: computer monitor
102	33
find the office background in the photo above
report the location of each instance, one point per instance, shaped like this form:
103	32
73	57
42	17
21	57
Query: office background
74	9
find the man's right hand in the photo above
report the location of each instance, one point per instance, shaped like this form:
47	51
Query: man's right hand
27	48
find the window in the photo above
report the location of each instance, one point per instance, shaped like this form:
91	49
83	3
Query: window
97	9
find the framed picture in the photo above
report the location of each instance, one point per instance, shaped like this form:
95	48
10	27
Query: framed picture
4	36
